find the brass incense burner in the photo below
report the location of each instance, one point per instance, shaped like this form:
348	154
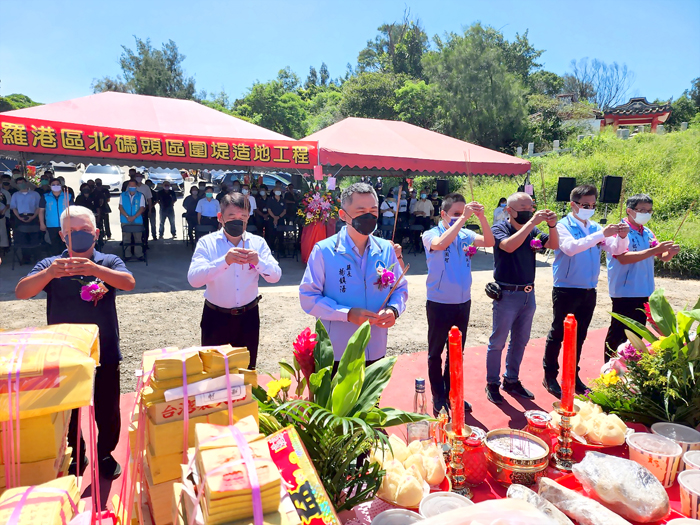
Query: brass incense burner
516	456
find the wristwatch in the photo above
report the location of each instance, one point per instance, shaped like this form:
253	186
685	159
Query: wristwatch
396	312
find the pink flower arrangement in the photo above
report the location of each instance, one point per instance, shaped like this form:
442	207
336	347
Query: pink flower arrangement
304	352
653	243
627	352
318	207
93	291
536	245
386	277
470	251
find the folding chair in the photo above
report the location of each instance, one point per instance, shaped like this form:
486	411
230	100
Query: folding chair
289	241
202	229
20	243
133	232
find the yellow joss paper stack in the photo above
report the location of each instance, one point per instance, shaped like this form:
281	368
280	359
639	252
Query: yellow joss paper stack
221	480
164	419
45	504
43	452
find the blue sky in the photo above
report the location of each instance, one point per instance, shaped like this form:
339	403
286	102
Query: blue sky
52	50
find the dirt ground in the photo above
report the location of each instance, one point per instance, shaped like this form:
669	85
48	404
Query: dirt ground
165	311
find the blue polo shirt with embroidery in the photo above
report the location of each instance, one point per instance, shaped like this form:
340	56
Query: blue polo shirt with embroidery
64	305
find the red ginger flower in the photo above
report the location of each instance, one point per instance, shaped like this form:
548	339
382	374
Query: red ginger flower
650	319
304	352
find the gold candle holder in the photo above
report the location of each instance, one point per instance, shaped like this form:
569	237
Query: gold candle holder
456	466
562	459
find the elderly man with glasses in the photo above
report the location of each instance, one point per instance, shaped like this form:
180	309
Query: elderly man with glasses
576	270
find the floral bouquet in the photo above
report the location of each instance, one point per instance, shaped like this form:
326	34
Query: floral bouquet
536	244
92	291
655	375
385	277
318	207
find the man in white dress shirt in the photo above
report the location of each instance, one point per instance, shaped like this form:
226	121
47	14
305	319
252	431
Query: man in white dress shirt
229	262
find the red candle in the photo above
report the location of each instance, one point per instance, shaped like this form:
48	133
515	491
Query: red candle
568	383
456	380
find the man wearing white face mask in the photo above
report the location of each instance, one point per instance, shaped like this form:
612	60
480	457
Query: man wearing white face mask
576	269
631	274
65	278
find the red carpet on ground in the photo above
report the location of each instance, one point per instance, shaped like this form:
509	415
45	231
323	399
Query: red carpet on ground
399	394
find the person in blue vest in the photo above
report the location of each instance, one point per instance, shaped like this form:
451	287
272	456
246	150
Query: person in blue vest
51	207
132	205
631	274
576	270
448	249
349	276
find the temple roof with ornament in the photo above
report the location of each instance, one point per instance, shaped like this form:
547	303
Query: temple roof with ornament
638	106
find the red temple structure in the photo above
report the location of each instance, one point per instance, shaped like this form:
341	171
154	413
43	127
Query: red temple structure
637	112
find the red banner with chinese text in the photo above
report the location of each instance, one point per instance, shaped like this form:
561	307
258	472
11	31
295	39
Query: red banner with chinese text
35	136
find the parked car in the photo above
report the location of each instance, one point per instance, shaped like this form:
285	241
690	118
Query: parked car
172	175
112	176
269	179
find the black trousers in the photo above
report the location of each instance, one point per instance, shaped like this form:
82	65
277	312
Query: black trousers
219	328
578	301
104	226
632	307
442	317
57	245
107	415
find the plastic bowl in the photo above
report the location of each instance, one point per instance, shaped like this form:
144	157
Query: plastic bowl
660	455
691	460
441	502
687	438
396	517
689	482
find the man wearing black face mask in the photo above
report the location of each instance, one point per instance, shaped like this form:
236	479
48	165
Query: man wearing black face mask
63	278
229	262
342	283
517	241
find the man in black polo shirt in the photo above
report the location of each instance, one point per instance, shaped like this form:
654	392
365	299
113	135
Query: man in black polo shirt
517	241
63	278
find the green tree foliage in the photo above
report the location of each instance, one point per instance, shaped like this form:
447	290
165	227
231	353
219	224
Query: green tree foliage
150	71
683	109
323	110
417	103
480	99
546	83
398	48
16	101
371	95
695	92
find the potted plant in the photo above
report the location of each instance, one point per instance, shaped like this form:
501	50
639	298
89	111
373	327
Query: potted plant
655	376
341	421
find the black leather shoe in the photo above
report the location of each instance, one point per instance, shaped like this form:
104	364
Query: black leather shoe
493	394
109	468
73	466
581	387
552	386
516	388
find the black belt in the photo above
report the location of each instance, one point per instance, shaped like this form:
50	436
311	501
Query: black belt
519	288
234	311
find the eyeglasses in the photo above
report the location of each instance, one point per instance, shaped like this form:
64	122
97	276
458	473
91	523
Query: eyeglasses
586	206
643	211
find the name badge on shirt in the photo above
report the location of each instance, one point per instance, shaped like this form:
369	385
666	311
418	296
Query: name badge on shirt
342	274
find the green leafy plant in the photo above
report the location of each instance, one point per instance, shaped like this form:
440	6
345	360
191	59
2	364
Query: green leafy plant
341	421
655	376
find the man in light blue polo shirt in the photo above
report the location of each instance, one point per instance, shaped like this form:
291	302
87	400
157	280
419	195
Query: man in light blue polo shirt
51	207
631	274
132	205
576	269
447	248
342	285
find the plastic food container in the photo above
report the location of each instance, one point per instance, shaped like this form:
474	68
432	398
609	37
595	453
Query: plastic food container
691	460
688	438
396	517
689	482
441	502
660	455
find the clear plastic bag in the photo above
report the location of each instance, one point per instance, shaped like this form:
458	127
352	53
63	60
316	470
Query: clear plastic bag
624	486
493	512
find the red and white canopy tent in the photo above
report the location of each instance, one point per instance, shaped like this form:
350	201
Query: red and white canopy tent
361	146
110	128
